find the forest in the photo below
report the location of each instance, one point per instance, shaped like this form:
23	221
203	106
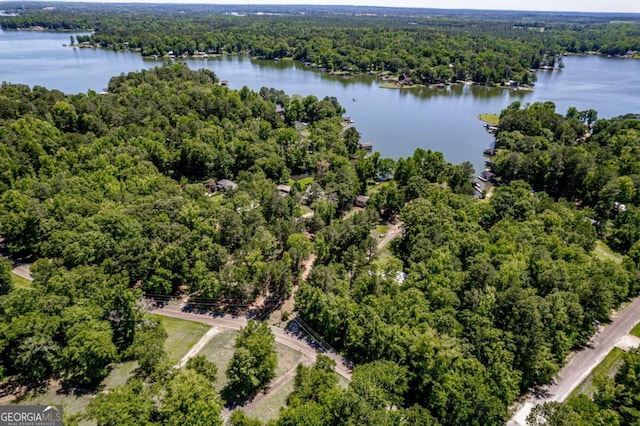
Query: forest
432	48
113	196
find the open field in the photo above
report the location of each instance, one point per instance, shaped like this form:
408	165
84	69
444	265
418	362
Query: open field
220	350
270	407
181	336
608	367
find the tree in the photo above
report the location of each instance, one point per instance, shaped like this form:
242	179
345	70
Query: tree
148	344
204	367
88	352
123	406
191	399
253	363
6	281
351	140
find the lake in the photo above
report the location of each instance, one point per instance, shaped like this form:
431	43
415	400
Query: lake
397	121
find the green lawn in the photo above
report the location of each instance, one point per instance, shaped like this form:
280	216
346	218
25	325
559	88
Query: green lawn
375	188
635	331
492	119
270	406
75	402
181	336
304	182
609	366
20	282
220	350
603	252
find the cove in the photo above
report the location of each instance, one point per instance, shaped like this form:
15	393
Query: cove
396	121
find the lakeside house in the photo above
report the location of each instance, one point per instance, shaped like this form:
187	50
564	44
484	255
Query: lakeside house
490	152
347	120
224	83
367	146
361	201
488	176
279	109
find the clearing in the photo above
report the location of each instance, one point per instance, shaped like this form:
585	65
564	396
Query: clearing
603	252
20	282
181	336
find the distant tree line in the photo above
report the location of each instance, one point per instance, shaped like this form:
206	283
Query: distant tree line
420	49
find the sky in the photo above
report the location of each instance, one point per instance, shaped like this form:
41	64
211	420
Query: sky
631	6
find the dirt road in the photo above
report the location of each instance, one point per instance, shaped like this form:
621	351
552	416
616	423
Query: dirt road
583	362
394	231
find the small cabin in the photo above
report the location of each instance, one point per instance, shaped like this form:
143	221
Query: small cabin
367	146
224	82
361	201
279	109
490	152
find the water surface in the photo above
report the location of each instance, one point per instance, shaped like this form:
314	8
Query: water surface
396	120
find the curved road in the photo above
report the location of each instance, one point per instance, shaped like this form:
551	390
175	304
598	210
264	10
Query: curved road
582	363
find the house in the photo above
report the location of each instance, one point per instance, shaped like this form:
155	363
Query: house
224	82
490	152
226	185
284	189
347	119
361	201
367	146
488	176
279	109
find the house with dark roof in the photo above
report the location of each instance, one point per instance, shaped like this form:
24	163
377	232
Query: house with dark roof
226	185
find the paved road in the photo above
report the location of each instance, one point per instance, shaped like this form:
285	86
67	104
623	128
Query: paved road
583	362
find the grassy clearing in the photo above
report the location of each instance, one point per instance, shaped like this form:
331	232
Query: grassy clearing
635	331
603	252
75	402
609	366
491	119
20	282
220	350
379	231
287	359
270	406
304	182
376	187
181	336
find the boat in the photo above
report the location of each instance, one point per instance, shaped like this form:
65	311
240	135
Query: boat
354	99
